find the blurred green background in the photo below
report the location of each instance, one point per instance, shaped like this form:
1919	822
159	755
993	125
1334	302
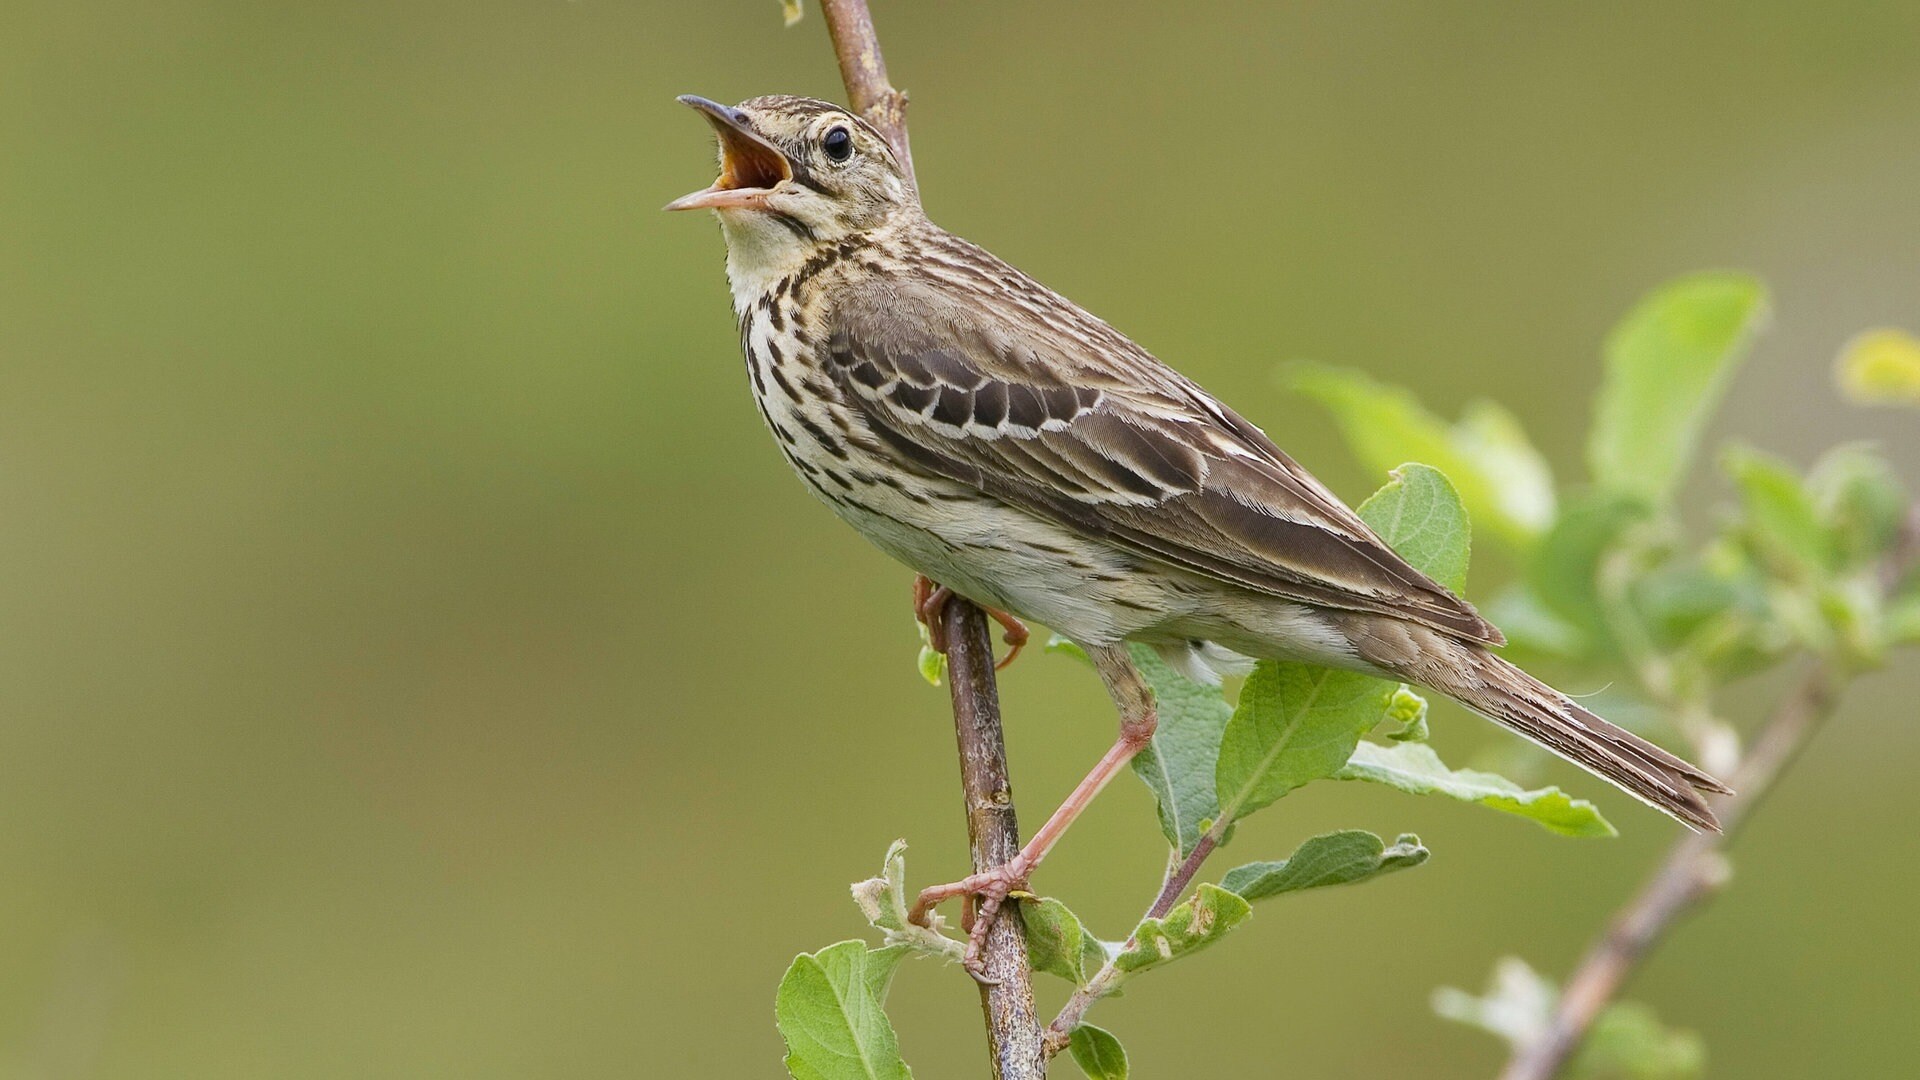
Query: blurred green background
415	661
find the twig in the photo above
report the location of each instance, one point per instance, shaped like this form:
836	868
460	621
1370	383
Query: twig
1694	867
1104	981
1013	1026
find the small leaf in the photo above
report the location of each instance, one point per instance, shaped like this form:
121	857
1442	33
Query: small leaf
1859	496
1629	1041
1565	571
1501	477
1517	1006
1415	768
1420	516
1338	858
1780	515
1532	626
829	1009
1409	710
1098	1053
1667	365
790	11
883	902
1178	765
1203	919
1295	723
1881	367
1056	941
931	662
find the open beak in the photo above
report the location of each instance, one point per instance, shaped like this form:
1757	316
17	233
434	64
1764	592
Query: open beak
750	167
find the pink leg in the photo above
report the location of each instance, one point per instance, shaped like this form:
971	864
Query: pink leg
1137	719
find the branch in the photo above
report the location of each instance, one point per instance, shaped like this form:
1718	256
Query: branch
1695	866
1013	1026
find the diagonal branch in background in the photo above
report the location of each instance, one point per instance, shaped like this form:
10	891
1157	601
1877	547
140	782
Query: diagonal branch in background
1695	866
1006	994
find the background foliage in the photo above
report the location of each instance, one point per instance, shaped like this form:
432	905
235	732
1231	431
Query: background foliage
411	641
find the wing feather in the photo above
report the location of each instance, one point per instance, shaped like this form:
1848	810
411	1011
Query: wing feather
1052	411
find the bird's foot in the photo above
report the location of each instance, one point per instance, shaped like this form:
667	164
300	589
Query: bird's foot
989	890
930	600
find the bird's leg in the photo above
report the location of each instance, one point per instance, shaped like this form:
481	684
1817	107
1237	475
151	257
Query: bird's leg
1137	720
929	599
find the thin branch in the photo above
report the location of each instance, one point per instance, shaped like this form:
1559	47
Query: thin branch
1006	997
1107	979
1695	866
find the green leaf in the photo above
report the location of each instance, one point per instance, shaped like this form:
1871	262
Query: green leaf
1881	367
1861	499
1903	620
1178	765
1629	1041
1295	723
1780	516
931	662
1409	710
1420	516
1532	626
1203	919
1337	858
1667	365
1098	1053
1501	477
1565	571
829	1009
1057	943
1415	768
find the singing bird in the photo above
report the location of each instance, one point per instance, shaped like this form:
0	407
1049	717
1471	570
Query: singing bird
1003	442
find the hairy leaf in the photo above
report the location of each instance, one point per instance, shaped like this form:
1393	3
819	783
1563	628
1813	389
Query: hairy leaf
1203	919
1098	1053
829	1009
1415	768
1178	765
1337	858
1295	723
1501	477
1667	365
1420	516
1881	367
1057	943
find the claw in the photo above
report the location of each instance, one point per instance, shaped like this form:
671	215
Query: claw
991	888
930	600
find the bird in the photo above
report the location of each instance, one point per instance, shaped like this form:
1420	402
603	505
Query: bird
1007	444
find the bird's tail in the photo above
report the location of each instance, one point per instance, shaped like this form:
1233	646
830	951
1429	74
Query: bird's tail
1509	696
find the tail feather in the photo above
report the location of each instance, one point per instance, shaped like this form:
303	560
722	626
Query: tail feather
1503	693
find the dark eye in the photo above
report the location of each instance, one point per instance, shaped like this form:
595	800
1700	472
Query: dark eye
838	143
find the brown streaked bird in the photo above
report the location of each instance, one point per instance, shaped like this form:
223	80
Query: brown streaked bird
1001	441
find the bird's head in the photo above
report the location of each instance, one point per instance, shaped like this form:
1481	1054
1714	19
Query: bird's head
797	173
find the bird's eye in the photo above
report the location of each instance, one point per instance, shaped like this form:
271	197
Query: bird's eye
838	143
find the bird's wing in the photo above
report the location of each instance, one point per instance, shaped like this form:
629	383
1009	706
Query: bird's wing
1048	409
